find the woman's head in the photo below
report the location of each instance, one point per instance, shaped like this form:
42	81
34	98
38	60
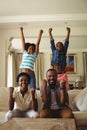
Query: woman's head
30	47
23	81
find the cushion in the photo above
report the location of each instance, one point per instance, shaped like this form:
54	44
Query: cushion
81	118
72	94
80	100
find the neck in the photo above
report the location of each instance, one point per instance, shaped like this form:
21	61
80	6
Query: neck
23	92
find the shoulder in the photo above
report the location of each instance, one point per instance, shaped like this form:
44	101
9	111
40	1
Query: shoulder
25	51
35	54
17	88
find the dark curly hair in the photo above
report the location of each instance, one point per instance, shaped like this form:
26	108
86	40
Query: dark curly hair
22	74
27	45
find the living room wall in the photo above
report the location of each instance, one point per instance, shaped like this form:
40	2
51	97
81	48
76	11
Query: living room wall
78	44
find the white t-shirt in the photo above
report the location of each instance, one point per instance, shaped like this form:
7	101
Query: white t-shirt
22	103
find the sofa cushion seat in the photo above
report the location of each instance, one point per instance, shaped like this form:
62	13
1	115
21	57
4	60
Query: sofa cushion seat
81	118
2	116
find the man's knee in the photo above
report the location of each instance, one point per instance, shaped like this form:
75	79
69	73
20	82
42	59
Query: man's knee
66	113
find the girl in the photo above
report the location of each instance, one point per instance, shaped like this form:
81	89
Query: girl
59	52
30	52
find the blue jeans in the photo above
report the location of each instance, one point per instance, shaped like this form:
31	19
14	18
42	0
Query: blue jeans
32	80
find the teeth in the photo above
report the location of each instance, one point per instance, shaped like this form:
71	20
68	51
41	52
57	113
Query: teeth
23	85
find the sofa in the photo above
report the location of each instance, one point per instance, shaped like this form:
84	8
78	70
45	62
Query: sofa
77	101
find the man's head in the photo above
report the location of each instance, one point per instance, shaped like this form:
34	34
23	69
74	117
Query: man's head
59	46
23	81
51	76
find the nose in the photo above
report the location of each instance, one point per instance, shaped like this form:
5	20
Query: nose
52	77
23	81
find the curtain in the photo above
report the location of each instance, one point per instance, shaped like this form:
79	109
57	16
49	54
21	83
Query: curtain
18	61
11	69
39	69
85	68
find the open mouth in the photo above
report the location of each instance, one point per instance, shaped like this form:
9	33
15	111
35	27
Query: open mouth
23	85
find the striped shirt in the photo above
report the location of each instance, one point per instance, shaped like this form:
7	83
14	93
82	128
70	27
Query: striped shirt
28	60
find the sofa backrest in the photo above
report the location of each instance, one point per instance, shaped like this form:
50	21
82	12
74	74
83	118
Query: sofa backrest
3	99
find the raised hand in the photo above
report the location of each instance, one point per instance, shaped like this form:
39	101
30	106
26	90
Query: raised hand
50	30
21	28
68	29
41	31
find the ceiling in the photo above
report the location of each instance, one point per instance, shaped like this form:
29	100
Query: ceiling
35	13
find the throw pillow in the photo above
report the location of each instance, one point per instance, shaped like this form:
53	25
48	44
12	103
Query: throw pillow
80	100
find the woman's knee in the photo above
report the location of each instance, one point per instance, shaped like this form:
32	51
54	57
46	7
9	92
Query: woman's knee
8	115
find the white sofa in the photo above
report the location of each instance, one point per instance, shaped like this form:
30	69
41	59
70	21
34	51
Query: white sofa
75	104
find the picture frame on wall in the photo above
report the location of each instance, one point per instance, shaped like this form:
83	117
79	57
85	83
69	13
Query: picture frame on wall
71	66
71	60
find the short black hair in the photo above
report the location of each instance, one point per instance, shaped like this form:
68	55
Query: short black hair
60	43
51	69
23	74
27	45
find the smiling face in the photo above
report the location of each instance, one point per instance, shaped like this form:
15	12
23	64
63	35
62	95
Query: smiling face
23	82
31	49
51	76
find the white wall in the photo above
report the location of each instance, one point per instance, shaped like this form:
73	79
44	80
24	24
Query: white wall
78	43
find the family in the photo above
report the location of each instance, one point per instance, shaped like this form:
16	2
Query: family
23	99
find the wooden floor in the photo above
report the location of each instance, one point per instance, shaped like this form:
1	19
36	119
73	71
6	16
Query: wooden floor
39	124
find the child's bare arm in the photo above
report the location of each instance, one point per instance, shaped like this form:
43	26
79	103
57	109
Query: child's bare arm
50	34
38	41
22	38
68	33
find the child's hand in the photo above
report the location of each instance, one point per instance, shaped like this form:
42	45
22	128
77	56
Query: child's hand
68	29
41	31
62	83
21	28
50	30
